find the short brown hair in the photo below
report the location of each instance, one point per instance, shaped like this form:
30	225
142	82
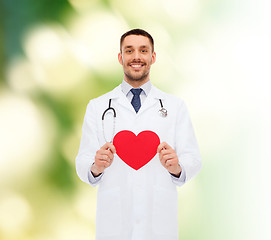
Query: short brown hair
137	31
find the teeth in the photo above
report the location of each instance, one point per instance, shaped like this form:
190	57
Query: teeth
136	66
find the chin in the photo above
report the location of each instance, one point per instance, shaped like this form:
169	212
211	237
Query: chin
137	79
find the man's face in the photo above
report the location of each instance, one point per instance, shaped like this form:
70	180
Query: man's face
136	57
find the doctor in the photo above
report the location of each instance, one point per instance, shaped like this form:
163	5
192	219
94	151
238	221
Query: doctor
137	204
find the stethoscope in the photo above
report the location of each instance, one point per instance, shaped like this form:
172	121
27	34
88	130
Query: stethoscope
162	112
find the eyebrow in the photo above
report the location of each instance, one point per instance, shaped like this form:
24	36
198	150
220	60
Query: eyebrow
129	46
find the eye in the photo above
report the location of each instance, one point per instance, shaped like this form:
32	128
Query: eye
128	51
144	50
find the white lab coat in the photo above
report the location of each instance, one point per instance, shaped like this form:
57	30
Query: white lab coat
142	204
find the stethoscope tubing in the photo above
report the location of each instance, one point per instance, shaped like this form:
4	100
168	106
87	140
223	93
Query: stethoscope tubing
108	109
162	112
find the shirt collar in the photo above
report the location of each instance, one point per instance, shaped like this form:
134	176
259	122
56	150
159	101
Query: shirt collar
126	87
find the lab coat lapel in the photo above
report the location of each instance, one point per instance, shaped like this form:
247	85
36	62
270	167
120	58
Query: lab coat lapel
152	98
121	98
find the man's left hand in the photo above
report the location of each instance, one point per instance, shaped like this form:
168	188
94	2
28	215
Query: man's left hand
169	159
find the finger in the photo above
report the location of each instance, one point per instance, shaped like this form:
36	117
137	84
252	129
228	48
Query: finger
171	162
168	157
106	158
107	164
106	153
100	163
109	146
167	151
163	159
103	157
163	145
109	154
104	163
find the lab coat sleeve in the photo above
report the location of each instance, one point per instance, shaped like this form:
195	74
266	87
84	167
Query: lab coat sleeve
186	147
181	179
88	146
94	180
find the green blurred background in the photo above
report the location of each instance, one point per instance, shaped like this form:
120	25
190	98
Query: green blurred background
58	54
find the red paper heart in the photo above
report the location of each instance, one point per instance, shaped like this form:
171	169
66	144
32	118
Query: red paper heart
136	151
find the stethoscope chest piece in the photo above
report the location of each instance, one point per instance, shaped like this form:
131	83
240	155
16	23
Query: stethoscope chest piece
163	112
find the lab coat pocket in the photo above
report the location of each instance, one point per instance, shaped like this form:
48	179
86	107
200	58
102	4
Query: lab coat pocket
108	217
165	212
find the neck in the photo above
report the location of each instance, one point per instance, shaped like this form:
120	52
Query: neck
136	84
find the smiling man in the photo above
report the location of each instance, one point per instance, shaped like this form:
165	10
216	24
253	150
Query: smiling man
153	150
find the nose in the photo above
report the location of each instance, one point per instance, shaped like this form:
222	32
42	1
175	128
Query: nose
137	55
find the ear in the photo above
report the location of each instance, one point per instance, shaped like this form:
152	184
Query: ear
153	58
120	58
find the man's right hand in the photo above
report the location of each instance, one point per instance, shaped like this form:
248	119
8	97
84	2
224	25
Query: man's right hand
103	158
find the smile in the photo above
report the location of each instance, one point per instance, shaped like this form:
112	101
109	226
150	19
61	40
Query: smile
136	66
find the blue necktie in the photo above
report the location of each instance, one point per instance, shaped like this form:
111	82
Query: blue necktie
136	99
